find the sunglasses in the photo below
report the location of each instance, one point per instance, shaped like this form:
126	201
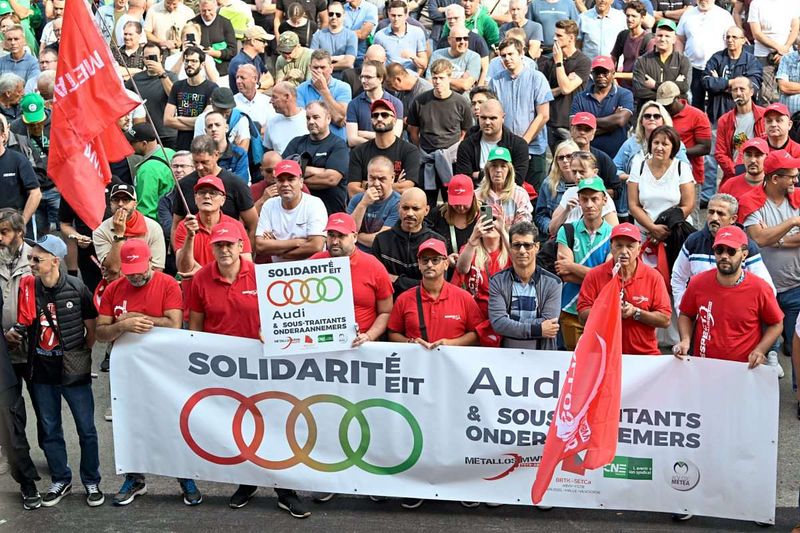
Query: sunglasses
36	259
727	250
334	14
564	157
382	114
523	245
461	39
652	116
432	260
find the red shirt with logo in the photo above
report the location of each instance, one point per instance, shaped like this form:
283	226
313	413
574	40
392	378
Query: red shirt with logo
728	320
645	290
229	308
693	126
203	251
370	282
159	294
450	316
736	186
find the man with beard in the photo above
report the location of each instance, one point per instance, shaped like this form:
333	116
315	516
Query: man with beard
736	314
188	98
388	144
397	248
736	127
140	300
375	209
155	84
754	152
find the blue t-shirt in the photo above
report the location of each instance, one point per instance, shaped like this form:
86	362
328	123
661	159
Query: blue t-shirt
519	97
355	18
548	14
378	215
610	143
341	92
412	41
329	153
243	59
344	43
358	110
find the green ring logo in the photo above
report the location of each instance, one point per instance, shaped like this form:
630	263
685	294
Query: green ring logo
299	291
302	454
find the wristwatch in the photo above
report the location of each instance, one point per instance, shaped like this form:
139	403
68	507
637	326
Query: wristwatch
560	64
162	75
637	315
118	238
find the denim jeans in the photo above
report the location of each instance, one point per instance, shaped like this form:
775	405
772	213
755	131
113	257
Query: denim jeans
711	169
789	302
81	405
48	210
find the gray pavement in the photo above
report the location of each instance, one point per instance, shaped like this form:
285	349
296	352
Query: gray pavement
162	509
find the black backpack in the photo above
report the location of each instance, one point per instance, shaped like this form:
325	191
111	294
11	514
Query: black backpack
548	253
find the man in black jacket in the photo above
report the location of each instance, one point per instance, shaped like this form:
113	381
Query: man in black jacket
397	247
217	37
471	157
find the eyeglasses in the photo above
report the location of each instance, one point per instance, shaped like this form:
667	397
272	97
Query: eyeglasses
36	259
382	114
652	116
208	192
564	157
725	250
461	39
432	260
334	14
790	176
523	245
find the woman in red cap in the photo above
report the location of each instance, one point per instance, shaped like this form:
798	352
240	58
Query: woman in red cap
455	220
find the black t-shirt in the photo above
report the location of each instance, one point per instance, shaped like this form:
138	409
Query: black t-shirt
312	7
440	120
189	101
578	63
237	195
155	99
404	154
68	215
330	153
16	179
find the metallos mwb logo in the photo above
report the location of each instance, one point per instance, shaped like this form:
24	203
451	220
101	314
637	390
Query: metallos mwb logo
635	468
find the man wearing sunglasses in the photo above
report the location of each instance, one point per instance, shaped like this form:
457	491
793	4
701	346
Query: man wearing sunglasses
466	63
337	39
737	317
252	53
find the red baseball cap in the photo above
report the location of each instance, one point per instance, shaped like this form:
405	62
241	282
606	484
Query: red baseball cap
626	230
460	190
134	257
382	102
288	166
779	160
777	107
225	232
210	181
603	62
732	236
432	244
587	119
758	143
342	223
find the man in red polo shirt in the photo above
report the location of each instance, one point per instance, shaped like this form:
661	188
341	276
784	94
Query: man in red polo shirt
450	314
754	152
645	301
224	300
777	123
733	313
372	288
137	302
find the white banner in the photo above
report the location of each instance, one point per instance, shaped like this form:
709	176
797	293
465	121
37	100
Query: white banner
696	436
306	306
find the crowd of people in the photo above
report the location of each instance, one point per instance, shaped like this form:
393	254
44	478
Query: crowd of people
485	165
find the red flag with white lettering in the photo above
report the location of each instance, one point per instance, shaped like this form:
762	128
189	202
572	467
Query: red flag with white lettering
88	100
587	413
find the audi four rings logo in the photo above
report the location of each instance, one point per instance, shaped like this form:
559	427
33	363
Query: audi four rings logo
304	291
301	454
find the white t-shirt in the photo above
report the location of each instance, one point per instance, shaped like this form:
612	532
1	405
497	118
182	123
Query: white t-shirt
576	213
704	33
281	130
775	17
259	109
486	147
783	264
658	195
307	219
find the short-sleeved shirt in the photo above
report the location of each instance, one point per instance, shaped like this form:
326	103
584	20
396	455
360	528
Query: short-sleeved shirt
589	250
163	23
404	155
281	130
161	293
103	240
533	30
646	290
17	178
378	215
370	282
737	187
783	264
775	17
440	120
189	101
202	248
519	97
344	43
412	41
693	125
658	195
341	92
561	106
450	316
728	319
469	62
611	142
306	220
237	195
355	18
328	153
358	110
26	67
547	14
704	33
600	33
228	308
789	70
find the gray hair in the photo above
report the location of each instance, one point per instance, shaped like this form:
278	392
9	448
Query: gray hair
14	219
523	228
9	82
728	199
455	10
204	144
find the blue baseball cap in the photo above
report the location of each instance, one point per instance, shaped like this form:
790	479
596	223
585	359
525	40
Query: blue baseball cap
50	244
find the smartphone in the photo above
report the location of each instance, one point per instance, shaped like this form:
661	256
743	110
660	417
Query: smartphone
190	37
151	57
486	213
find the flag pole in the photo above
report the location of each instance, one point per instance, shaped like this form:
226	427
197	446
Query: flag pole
147	114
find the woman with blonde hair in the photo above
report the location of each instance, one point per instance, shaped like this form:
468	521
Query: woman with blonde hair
456	218
553	188
500	190
484	254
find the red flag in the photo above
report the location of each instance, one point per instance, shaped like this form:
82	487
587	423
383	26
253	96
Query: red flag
88	99
587	414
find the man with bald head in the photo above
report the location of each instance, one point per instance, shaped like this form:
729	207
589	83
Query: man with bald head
250	100
466	63
474	149
397	248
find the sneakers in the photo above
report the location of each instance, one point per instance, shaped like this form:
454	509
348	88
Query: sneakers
56	491
242	496
322	497
379	499
682	517
191	495
772	360
131	488
291	503
94	496
105	363
410	503
470	505
31	499
107	416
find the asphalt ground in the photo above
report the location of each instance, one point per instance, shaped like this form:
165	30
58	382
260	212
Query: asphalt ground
162	509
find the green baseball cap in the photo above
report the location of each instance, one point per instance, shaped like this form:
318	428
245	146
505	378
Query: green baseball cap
595	183
667	23
5	8
498	152
32	105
